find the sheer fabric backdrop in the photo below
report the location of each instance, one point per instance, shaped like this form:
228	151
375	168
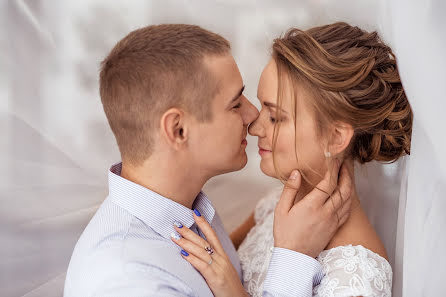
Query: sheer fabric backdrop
56	146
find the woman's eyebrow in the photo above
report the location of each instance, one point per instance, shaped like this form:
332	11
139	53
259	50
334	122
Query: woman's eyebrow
273	105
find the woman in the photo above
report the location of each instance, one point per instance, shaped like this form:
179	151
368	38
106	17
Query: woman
329	94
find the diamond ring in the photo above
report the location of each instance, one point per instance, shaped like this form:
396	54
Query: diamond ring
209	250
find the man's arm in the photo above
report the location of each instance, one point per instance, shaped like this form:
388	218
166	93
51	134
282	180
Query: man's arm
303	230
141	280
291	274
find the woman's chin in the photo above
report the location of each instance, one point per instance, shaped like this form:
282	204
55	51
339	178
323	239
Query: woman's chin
267	170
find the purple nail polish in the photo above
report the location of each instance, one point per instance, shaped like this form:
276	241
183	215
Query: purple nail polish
184	253
178	224
197	213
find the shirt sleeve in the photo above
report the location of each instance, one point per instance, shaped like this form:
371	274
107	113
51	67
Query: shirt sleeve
291	274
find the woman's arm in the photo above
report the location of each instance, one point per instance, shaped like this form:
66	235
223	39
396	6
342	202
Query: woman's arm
239	234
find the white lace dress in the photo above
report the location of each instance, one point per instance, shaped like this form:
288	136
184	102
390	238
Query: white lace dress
349	270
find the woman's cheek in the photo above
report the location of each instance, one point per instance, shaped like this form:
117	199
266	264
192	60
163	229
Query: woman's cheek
284	153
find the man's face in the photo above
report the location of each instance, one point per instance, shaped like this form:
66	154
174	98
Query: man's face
218	146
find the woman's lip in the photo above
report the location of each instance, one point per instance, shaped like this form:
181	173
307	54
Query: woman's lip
244	142
262	151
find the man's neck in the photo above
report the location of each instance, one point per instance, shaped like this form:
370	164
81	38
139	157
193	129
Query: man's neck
169	179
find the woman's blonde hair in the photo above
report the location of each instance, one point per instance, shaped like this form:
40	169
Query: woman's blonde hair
353	78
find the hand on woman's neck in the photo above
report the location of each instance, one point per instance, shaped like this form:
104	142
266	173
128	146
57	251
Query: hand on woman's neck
304	189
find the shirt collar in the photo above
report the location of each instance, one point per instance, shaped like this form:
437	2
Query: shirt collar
155	210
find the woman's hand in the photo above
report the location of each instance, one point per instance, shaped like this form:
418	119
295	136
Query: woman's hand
214	266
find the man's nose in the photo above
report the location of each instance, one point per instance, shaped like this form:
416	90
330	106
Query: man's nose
250	112
256	129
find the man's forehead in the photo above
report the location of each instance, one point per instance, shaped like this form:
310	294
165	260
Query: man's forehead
220	62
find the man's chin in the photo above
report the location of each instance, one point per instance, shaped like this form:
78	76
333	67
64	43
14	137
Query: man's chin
243	162
236	165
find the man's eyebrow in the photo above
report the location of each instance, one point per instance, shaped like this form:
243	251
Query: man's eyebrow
272	105
238	95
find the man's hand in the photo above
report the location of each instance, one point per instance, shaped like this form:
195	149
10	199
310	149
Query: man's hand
308	226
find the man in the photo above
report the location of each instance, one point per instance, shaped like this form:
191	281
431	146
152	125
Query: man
173	97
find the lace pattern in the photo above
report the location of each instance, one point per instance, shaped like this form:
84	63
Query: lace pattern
349	270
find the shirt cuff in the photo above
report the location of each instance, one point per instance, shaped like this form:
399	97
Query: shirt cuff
291	274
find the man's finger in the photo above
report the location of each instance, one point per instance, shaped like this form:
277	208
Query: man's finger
342	192
325	187
344	219
345	210
289	192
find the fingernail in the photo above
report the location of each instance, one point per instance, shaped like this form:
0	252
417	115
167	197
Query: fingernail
175	235
197	213
293	174
184	253
178	224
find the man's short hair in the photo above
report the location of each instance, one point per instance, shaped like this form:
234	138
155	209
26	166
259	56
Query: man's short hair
151	70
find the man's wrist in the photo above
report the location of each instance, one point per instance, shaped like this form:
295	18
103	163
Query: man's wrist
302	251
292	273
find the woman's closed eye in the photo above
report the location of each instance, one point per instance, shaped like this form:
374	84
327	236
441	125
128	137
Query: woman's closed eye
275	120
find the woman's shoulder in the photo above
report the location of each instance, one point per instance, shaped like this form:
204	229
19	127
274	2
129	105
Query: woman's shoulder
354	271
355	261
358	231
352	254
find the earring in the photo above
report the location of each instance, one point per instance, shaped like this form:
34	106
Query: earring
327	154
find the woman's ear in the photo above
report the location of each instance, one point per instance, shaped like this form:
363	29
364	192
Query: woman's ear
341	135
173	128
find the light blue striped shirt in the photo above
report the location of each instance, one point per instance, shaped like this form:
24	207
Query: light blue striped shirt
126	250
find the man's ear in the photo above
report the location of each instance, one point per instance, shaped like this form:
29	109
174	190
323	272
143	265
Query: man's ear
341	135
173	128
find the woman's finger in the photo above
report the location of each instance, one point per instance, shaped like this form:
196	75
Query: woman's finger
190	235
192	248
289	193
209	232
203	267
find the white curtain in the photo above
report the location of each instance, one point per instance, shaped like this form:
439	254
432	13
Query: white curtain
418	33
56	146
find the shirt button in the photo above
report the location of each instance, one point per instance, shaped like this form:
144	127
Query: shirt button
271	249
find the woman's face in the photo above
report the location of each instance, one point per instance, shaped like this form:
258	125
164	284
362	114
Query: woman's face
297	147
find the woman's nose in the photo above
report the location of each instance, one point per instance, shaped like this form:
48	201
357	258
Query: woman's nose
256	129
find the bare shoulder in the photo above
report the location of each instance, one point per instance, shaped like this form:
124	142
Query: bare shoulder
240	233
358	231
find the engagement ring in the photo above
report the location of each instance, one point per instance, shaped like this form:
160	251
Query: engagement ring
209	250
